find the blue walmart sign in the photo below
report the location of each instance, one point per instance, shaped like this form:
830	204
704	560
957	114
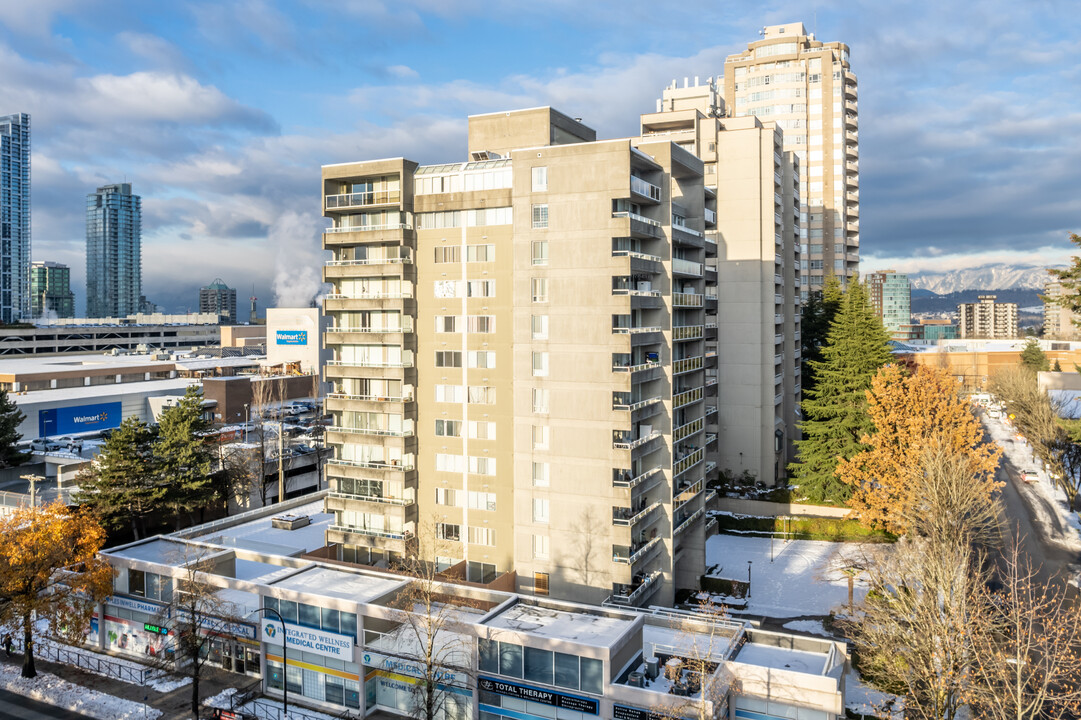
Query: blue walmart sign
78	419
291	337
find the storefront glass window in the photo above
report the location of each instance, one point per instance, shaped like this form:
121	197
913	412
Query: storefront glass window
288	609
349	624
538	665
489	655
566	670
308	615
330	620
592	676
510	659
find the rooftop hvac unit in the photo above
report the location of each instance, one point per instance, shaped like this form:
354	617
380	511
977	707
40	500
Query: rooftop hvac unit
290	522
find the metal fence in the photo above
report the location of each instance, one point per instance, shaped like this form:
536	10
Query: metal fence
267	711
89	661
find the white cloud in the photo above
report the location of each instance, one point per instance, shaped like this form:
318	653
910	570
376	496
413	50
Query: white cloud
402	71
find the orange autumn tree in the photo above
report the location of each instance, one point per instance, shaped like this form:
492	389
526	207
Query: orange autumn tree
914	413
50	569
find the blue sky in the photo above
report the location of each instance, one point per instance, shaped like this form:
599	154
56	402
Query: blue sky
220	113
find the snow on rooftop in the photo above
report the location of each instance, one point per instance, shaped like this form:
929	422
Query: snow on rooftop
778	658
587	628
660	639
329	582
77	361
259	536
254	570
158	550
157	387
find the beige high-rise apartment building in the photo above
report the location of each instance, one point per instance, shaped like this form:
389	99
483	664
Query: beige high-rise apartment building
807	87
987	319
756	237
526	357
1059	323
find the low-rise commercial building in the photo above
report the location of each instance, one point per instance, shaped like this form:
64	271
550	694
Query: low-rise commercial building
344	638
974	362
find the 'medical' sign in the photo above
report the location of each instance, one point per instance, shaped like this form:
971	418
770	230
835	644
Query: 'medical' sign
78	419
331	645
291	337
547	697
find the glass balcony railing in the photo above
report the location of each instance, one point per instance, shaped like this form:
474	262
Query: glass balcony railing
686	267
406	464
624	479
686	300
645	188
404	432
363	199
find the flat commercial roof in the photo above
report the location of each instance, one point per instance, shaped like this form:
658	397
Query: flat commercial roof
159	550
587	628
37	364
778	658
356	587
93	392
259	536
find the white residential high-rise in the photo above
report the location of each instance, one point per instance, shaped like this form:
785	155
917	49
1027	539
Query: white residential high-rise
807	87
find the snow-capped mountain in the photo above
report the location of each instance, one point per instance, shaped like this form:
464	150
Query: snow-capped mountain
988	277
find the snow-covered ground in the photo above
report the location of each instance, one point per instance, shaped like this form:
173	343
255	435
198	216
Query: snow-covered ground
1048	502
50	689
803	579
865	700
813	627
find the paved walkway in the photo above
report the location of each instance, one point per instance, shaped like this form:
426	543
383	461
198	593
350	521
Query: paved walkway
175	705
17	707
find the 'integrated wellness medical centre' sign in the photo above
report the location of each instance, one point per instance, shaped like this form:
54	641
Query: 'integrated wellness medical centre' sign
331	645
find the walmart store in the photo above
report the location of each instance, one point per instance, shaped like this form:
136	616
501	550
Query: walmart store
338	637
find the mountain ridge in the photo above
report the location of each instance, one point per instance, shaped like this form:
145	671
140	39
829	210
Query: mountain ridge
987	278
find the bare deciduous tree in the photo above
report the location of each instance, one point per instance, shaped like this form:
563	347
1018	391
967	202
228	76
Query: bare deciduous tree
1026	661
696	668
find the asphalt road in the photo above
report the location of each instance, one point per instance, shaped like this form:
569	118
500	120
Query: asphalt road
18	707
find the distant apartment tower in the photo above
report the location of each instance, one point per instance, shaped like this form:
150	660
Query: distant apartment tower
891	296
14	217
755	233
217	297
50	290
807	87
1059	323
113	252
526	357
987	319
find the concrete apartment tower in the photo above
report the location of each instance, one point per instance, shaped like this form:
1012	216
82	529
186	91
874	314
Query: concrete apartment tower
217	297
50	290
1059	323
753	243
891	295
521	359
807	87
14	217
987	319
114	267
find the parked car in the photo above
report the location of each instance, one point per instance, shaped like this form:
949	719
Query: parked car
43	445
303	449
1030	475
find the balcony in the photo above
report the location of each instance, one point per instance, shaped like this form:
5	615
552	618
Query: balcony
623	479
687	492
645	189
710	217
640	225
408	498
403	363
366	228
338	334
686	365
636	330
688	521
639	372
631	594
626	517
687	429
404	258
710	439
687	332
686	463
401	466
617	404
686	300
686	267
624	440
372	532
363	199
406	432
371	398
684	399
641	262
711	380
635	553
711	410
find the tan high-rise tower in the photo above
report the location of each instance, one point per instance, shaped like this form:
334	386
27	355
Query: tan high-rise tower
807	87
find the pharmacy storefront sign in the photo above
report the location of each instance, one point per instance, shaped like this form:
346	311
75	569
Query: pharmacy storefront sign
331	645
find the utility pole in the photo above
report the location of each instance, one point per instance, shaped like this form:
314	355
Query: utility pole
281	463
33	480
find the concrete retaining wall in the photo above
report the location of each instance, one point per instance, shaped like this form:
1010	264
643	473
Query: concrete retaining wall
772	509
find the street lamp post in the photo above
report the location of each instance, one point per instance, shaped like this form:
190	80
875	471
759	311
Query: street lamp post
247	420
749	579
285	660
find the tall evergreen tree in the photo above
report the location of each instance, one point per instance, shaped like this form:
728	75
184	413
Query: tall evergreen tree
122	486
10	419
835	416
1070	280
185	459
1033	357
817	316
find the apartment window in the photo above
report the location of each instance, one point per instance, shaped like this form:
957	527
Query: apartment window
540	327
448	531
481	430
540	510
480	324
449	463
448	428
449	358
480	253
446	496
539	289
482	501
481	359
481	536
481	465
540	252
540	547
540	400
447	289
449	254
540	216
481	395
481	288
540	474
446	323
540	437
448	393
540	364
540	584
540	179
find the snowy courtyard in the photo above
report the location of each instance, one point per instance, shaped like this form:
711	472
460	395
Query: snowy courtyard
803	579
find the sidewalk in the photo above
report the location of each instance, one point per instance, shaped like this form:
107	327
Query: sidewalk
174	705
